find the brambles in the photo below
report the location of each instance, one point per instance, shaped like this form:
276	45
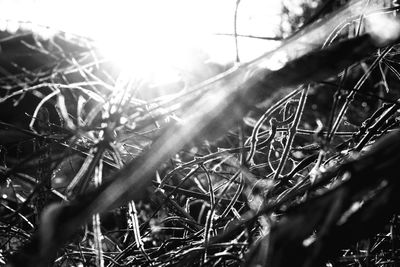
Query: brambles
272	162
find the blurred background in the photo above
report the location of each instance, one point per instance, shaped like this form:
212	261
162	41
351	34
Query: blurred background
139	34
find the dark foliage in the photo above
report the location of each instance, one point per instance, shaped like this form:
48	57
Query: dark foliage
288	160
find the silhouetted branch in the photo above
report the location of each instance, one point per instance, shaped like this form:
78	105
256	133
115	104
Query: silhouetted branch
214	108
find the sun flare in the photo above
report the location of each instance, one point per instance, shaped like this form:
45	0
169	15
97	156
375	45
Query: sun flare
154	39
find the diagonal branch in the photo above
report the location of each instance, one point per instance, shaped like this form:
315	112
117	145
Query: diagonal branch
219	105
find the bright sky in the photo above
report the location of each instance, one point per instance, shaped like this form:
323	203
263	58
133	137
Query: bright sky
154	31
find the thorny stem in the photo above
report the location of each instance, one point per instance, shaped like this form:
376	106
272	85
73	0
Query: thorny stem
167	197
207	229
334	106
210	188
97	235
235	197
337	95
292	132
264	117
357	87
373	129
134	224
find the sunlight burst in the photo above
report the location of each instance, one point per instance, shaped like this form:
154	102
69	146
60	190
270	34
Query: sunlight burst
152	39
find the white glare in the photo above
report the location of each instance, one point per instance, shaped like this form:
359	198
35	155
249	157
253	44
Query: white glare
153	38
383	28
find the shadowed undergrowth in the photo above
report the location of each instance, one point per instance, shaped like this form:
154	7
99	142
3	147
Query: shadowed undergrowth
288	160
